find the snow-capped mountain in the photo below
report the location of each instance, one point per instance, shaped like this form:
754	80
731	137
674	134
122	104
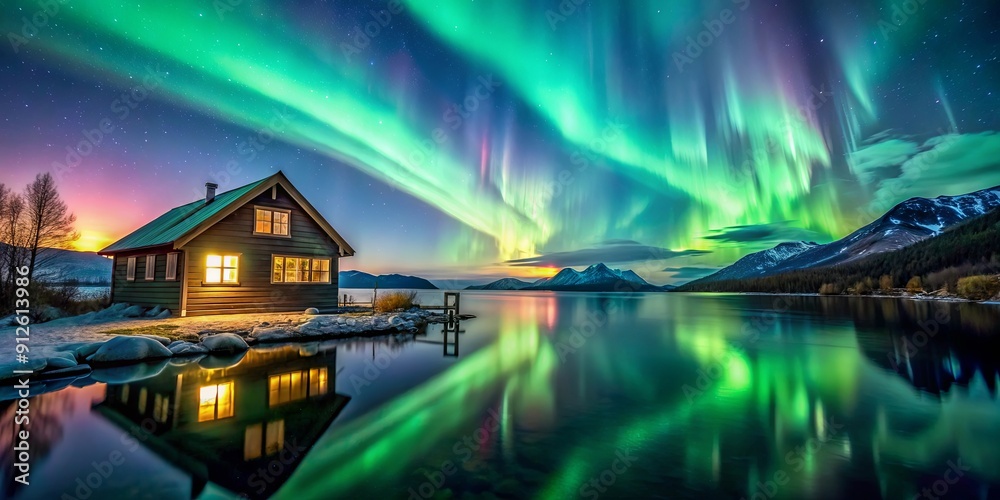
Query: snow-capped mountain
59	265
597	277
760	263
907	223
502	284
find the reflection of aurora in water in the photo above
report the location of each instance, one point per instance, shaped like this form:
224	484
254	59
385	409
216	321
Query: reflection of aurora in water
622	390
368	448
816	396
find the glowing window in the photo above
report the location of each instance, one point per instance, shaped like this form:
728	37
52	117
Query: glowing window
299	270
259	440
222	269
142	400
252	441
275	435
271	221
286	387
317	381
215	402
130	269
161	408
295	386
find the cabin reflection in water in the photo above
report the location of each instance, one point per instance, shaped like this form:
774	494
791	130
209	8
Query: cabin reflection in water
243	423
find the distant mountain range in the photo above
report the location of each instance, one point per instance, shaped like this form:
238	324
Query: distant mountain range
88	267
61	265
502	284
596	278
909	222
358	279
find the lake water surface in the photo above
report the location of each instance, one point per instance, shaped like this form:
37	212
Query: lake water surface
555	395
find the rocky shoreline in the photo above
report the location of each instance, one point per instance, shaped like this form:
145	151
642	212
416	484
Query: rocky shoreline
67	362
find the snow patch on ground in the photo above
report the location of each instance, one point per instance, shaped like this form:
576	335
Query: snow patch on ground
334	325
64	347
184	348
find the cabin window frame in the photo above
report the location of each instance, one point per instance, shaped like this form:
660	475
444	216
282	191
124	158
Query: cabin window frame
284	388
223	255
149	274
329	271
263	439
214	399
272	210
130	269
175	257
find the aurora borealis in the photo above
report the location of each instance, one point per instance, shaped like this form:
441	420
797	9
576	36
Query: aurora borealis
492	138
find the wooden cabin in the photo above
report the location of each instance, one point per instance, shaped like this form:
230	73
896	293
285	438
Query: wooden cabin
257	248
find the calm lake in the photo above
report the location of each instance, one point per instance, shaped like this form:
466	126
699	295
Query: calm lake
555	395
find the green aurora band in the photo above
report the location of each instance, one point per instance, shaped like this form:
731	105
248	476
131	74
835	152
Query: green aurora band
736	135
239	70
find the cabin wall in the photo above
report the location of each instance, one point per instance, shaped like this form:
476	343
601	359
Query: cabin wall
158	292
255	292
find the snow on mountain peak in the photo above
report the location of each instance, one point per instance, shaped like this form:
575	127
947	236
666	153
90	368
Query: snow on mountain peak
907	223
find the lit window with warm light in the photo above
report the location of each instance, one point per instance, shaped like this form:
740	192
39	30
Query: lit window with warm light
317	381
260	440
143	395
295	386
215	402
300	270
161	407
253	436
274	435
286	388
271	221
222	269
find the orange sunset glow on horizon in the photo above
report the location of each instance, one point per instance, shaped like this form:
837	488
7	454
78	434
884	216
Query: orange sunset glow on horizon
91	241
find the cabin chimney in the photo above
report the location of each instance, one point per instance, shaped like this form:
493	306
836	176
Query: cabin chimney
210	188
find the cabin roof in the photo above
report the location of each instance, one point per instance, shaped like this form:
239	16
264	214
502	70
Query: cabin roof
182	224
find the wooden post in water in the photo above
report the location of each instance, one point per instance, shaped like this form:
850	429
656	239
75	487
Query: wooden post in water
451	304
452	323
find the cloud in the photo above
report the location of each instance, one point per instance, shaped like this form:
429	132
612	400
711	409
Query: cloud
690	273
949	164
761	233
869	162
620	242
878	137
611	251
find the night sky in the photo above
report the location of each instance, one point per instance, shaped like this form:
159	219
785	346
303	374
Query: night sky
463	138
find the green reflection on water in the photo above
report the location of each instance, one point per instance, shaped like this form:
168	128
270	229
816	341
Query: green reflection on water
802	395
369	448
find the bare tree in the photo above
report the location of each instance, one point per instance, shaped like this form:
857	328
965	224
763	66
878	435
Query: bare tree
5	246
48	219
13	240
